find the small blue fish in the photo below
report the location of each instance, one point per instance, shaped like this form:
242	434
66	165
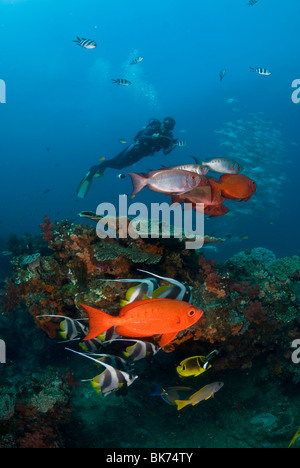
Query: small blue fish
85	43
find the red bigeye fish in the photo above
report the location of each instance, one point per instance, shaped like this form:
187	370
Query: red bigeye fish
234	187
165	181
165	317
215	210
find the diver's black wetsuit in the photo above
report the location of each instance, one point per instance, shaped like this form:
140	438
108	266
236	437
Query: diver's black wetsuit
147	142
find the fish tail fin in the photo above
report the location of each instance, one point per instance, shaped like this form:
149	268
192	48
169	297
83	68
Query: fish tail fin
215	188
197	160
99	322
63	334
181	403
139	182
252	69
123	303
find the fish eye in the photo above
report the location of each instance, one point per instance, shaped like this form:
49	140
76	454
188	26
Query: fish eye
191	313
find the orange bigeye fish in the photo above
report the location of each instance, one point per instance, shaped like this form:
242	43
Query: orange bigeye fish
165	317
234	187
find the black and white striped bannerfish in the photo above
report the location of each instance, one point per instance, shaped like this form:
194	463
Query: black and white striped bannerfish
121	81
85	43
110	380
145	287
252	2
75	330
136	60
139	350
70	329
177	291
261	71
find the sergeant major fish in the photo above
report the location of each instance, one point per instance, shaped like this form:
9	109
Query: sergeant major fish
136	60
181	143
261	71
85	43
121	81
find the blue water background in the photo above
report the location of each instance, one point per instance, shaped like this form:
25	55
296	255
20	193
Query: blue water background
63	113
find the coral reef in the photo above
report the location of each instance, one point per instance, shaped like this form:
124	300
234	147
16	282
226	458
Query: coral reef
33	410
284	267
243	301
251	310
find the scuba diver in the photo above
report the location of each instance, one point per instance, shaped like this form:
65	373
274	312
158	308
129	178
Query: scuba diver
154	137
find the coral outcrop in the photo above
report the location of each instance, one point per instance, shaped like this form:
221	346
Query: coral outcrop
250	303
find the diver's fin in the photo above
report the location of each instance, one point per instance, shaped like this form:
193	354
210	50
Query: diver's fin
85	185
86	182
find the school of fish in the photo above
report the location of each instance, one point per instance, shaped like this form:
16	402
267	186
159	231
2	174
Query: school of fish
189	183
